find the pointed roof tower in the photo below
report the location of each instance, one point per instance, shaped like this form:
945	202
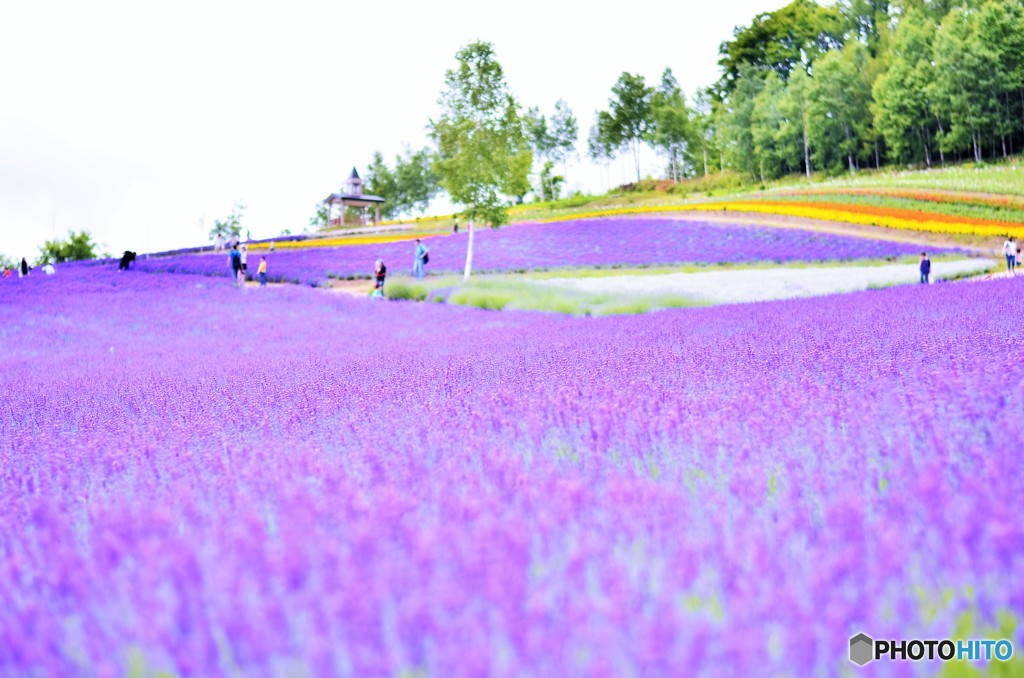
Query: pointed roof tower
355	184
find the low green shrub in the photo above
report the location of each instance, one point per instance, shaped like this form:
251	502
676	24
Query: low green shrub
407	292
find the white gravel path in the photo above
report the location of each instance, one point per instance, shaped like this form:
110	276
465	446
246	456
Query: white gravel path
727	287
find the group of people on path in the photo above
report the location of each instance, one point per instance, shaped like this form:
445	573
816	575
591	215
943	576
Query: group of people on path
238	259
24	269
1012	252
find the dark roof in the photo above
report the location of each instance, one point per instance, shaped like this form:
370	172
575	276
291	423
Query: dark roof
338	197
354	175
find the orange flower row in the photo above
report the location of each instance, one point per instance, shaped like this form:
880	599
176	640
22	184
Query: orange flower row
867	215
945	197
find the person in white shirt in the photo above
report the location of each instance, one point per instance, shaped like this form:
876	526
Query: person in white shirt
49	269
1010	250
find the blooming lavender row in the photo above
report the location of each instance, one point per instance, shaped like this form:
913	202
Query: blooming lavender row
208	481
594	242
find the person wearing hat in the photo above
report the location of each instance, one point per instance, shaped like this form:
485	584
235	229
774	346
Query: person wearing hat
380	271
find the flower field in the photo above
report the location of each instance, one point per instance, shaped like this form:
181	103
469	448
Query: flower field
205	481
976	209
600	242
1012	202
864	214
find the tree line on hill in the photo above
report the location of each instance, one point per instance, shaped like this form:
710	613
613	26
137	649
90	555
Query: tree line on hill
858	84
865	82
806	88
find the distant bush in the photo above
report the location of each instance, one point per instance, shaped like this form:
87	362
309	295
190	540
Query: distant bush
406	292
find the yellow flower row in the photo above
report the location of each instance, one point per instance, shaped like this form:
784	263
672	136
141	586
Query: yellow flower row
343	241
826	214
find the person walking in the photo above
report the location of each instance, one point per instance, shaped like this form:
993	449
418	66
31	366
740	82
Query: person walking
455	226
1018	261
23	271
926	268
1010	251
422	257
235	260
263	271
244	254
380	272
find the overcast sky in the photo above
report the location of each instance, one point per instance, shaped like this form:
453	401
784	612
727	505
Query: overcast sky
144	122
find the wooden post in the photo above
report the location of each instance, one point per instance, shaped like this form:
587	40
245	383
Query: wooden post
376	214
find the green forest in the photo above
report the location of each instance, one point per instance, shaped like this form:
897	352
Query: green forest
862	83
806	88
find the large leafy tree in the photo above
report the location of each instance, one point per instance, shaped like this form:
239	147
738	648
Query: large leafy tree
483	156
230	226
542	140
867	20
793	135
840	96
417	183
380	180
766	118
598	148
407	188
962	84
901	106
1000	40
629	120
797	34
565	131
736	122
705	131
78	247
672	132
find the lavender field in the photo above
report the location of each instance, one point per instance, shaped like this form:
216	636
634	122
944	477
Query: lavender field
207	481
594	242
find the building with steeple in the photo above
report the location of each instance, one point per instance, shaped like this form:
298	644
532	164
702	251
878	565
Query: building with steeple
353	197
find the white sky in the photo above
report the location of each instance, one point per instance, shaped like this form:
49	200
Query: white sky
141	121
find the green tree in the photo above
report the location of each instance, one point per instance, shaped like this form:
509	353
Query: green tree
629	120
541	141
231	226
598	148
736	122
766	119
903	112
672	131
565	131
483	155
793	136
550	182
797	34
961	72
999	35
417	183
78	247
867	20
839	100
552	143
380	180
705	129
319	218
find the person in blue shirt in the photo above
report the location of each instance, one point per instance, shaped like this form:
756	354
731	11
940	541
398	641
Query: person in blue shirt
421	259
236	263
926	267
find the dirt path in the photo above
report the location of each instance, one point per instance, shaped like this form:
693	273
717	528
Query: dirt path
729	287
